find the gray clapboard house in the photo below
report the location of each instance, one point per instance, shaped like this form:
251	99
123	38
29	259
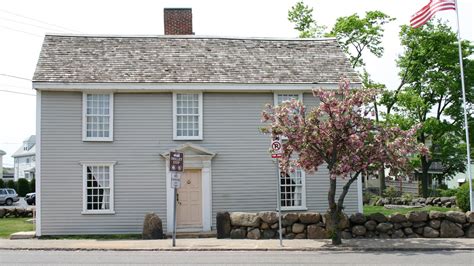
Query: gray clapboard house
110	108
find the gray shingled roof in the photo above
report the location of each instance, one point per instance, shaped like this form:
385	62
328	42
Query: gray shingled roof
190	59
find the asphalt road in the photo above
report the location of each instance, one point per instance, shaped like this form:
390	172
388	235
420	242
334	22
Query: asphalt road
14	257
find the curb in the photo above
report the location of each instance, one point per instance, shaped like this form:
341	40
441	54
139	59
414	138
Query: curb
334	249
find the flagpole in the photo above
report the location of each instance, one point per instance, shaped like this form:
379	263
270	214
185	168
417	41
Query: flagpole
466	126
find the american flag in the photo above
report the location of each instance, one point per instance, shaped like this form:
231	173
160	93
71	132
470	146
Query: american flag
428	11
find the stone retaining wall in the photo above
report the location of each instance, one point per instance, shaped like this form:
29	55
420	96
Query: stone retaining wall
448	202
15	212
311	225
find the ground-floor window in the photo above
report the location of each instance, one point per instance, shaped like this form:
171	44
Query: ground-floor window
293	192
98	188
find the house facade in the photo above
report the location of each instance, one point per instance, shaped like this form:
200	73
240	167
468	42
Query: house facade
111	108
25	159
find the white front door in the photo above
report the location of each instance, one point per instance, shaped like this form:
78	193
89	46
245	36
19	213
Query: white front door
189	200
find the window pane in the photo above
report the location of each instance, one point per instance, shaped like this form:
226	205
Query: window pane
291	189
98	190
187	115
98	115
287	97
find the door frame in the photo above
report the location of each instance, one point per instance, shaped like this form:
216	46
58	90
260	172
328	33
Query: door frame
195	157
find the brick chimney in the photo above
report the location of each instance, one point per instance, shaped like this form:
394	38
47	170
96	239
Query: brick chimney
178	21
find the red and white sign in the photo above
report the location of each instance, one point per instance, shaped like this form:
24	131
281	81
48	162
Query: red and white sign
276	147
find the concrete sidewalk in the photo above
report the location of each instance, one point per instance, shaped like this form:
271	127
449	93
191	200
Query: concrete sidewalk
212	244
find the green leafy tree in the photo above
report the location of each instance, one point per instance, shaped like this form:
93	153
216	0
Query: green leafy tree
11	184
358	35
2	183
432	95
302	16
23	187
33	185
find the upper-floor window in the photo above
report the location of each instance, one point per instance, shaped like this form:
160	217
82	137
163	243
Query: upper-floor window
283	97
97	117
187	116
27	160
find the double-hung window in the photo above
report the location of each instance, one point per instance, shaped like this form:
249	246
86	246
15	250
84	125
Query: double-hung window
293	191
98	188
187	116
97	117
283	97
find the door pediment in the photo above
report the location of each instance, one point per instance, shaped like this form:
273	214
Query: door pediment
192	151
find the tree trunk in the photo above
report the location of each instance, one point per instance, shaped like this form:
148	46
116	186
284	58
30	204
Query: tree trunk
382	185
424	176
334	230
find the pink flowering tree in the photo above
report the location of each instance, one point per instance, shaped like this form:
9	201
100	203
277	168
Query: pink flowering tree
339	134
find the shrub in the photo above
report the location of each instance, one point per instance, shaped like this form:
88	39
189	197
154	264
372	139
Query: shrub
33	185
23	187
11	184
390	192
462	197
407	197
448	192
2	183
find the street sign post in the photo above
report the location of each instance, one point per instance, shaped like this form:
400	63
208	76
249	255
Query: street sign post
176	167
276	148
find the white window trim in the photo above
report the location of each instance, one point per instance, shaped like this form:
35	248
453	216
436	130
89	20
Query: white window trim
275	101
276	93
84	119
303	206
200	136
84	187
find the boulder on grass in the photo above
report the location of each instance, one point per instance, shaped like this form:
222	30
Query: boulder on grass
152	227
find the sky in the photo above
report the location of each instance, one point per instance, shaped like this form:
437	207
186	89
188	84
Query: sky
23	25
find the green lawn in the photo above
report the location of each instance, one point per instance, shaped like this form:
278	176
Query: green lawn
9	226
383	210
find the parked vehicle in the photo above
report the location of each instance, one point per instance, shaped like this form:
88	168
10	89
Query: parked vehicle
31	198
8	196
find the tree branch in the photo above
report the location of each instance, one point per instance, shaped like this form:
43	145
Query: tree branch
345	189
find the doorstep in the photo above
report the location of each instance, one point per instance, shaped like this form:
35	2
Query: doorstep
210	234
